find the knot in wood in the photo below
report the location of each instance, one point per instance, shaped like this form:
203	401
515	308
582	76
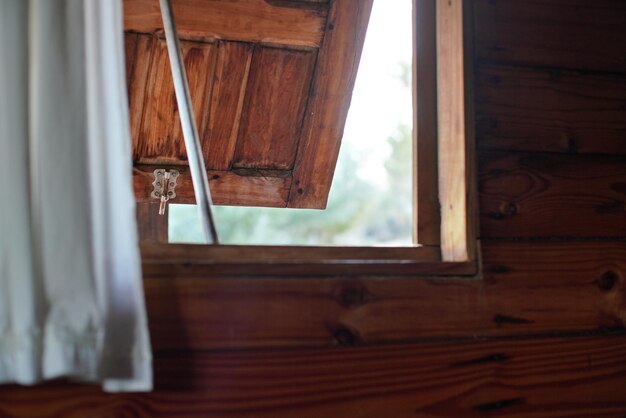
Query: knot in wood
607	280
344	336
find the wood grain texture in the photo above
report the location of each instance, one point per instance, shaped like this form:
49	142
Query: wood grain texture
426	195
335	73
160	138
227	98
298	261
240	187
536	378
526	288
550	110
451	130
139	50
130	53
471	215
249	98
276	97
534	286
566	34
240	20
151	226
552	195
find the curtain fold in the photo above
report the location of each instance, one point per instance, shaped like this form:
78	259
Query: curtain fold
71	298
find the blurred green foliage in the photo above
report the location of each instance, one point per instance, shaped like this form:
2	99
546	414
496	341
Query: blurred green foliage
359	211
363	208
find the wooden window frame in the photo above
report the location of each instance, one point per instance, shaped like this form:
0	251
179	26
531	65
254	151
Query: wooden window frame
443	197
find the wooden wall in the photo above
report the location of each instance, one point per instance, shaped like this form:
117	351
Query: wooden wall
540	335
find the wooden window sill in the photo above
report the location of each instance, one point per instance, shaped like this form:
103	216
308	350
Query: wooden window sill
183	260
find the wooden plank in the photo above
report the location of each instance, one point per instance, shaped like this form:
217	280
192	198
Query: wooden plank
300	3
552	195
276	97
574	34
530	378
151	226
426	195
549	110
239	187
229	87
139	50
527	288
202	255
335	73
240	20
451	130
130	52
297	261
160	137
471	215
536	286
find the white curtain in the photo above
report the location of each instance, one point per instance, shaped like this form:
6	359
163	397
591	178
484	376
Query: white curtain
71	298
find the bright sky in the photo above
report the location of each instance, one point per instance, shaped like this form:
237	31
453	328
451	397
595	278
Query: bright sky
379	101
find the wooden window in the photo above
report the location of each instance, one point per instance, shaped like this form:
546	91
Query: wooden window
443	179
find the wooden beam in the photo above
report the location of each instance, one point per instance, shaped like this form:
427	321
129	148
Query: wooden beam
426	188
297	261
239	187
257	21
452	133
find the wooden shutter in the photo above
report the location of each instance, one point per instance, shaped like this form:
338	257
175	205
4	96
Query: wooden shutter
271	82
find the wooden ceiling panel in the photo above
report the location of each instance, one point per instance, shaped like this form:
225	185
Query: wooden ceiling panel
276	98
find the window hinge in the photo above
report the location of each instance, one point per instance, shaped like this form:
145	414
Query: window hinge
164	187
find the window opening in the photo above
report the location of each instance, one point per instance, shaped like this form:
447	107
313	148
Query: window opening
370	202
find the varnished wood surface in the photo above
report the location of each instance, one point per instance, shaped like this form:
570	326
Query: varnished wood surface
160	137
552	195
241	187
266	95
213	19
276	98
527	288
538	378
298	261
208	254
550	110
227	99
327	110
151	226
535	287
451	130
426	195
566	34
139	49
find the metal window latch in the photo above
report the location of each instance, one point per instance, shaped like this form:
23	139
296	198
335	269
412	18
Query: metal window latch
164	186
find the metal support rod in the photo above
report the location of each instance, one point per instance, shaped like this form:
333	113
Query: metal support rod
188	122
